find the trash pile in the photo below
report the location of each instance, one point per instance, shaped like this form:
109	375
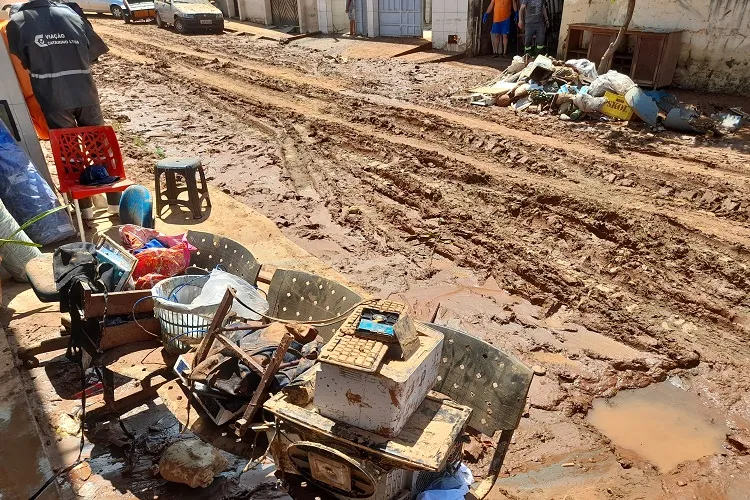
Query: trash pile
573	90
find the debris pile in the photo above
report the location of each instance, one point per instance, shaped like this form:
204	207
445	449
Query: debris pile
573	90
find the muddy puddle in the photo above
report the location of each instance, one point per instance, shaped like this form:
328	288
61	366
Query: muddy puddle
663	424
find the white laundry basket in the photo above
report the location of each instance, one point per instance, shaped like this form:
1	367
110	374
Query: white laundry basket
177	318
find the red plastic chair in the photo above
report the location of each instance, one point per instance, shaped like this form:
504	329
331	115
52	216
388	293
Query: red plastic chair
76	148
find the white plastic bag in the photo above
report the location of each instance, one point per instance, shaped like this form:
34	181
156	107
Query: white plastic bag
217	284
588	103
584	67
14	256
515	66
611	81
453	487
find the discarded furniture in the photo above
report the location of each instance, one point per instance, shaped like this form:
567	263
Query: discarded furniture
41	278
214	250
188	168
137	207
493	384
349	462
648	56
74	149
297	295
106	335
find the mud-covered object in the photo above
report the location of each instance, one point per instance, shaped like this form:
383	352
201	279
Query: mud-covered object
191	462
228	375
26	194
15	257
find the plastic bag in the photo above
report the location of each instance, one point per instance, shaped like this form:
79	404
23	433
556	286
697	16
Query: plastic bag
15	257
453	487
588	103
515	66
584	67
217	284
611	81
26	194
165	261
136	237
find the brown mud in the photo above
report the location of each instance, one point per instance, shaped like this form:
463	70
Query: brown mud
611	256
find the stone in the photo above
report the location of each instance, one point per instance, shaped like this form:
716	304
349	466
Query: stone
681	483
539	371
191	462
503	101
666	191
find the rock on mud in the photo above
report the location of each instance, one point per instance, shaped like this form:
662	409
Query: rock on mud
191	462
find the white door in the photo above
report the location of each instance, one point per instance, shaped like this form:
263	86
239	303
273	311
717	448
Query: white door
400	17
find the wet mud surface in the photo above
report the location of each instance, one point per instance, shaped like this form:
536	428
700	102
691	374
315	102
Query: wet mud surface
612	257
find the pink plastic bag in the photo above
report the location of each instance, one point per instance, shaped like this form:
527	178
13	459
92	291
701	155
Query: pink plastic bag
165	261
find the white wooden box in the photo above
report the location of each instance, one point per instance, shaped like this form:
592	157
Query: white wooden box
382	401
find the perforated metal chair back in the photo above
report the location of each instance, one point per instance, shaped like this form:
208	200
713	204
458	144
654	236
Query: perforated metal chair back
297	295
214	250
478	375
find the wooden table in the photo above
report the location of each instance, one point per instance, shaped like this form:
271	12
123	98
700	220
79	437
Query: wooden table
648	56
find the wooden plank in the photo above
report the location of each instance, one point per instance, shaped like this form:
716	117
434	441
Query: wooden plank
213	328
117	303
175	397
423	444
249	361
130	332
125	399
140	361
262	390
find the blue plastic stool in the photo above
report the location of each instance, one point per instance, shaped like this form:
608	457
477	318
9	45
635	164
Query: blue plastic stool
137	207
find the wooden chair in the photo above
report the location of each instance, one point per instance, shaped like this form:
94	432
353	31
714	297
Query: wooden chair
309	297
492	383
74	149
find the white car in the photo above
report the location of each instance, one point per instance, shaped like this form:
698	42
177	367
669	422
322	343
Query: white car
114	7
189	15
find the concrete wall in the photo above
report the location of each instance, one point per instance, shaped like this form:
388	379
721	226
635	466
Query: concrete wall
256	11
715	52
332	16
450	17
307	11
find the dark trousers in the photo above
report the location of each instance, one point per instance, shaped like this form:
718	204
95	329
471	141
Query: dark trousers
533	31
86	116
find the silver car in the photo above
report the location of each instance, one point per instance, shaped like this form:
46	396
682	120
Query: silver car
114	7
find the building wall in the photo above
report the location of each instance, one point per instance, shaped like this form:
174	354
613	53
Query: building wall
308	15
450	17
715	53
256	11
332	16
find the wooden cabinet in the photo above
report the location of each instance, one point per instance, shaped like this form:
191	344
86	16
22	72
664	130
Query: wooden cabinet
649	57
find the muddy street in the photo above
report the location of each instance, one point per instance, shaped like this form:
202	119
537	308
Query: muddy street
614	258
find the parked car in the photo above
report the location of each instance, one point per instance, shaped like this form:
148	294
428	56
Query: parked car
115	7
189	15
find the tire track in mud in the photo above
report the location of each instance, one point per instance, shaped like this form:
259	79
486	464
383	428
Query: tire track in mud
517	224
634	157
459	133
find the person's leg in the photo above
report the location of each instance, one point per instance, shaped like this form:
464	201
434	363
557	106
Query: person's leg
352	28
89	116
541	38
495	44
63	118
505	45
528	39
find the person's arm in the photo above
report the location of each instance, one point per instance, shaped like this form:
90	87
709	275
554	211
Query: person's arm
521	14
15	45
546	16
515	5
486	16
348	4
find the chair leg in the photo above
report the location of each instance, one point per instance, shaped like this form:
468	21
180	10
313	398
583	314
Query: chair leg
204	186
80	220
108	384
157	191
488	482
194	198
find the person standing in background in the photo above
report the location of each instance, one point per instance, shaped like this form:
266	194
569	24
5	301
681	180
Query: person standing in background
501	11
350	6
533	19
57	46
